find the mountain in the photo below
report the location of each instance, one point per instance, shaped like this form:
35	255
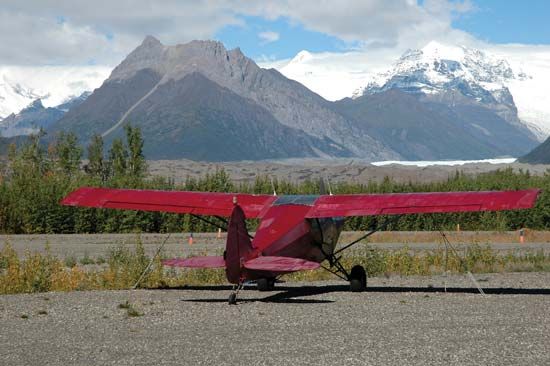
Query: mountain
539	155
200	101
442	102
53	85
14	96
339	75
201	120
35	116
277	116
420	131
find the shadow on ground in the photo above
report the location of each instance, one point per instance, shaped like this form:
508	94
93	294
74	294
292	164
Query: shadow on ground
293	294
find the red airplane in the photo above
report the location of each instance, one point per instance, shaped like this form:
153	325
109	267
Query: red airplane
296	232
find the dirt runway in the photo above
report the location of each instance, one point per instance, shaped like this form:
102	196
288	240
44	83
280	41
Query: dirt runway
398	321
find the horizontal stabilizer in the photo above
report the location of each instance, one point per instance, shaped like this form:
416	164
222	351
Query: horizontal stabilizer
280	264
196	262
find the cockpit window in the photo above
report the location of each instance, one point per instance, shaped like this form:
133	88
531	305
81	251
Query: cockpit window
306	200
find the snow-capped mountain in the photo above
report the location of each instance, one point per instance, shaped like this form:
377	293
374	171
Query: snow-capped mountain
35	116
53	85
437	69
14	96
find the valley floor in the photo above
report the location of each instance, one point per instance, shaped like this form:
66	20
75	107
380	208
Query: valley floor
337	170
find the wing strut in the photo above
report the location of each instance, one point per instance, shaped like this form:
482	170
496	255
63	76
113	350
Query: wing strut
151	262
334	261
462	263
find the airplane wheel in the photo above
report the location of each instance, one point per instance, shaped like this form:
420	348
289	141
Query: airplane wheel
265	284
358	279
232	299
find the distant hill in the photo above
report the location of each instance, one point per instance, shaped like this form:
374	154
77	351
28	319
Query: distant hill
539	155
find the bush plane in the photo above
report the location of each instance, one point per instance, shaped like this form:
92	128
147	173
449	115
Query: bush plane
295	232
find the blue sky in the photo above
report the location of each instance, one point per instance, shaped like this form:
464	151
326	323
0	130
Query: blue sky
507	21
292	38
103	32
493	21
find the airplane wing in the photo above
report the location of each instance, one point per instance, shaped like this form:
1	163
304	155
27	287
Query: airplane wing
198	203
410	203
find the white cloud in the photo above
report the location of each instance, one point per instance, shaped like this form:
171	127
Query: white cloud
268	37
38	32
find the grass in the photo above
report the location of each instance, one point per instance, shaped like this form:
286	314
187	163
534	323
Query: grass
131	311
123	265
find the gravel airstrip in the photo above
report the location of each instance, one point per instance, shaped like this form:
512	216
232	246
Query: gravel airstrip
398	321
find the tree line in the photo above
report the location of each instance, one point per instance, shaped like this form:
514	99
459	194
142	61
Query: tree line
35	177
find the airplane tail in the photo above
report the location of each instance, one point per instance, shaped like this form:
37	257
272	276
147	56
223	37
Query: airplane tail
237	250
238	246
239	255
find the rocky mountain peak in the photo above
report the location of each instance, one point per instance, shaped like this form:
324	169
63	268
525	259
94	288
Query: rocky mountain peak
34	106
208	57
439	68
150	41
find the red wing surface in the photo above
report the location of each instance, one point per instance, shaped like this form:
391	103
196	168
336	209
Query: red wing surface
198	203
280	264
410	203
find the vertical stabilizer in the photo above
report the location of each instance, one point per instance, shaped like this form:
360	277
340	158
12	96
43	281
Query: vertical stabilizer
238	246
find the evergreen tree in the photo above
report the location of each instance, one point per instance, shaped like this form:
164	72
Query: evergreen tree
96	166
69	153
137	166
118	159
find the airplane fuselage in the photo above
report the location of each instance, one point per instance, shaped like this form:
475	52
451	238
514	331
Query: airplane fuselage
285	231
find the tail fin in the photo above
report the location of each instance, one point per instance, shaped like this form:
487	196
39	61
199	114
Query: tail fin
238	245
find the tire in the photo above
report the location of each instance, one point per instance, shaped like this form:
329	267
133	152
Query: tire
265	284
358	279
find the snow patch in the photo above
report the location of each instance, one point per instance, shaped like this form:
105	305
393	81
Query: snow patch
425	163
20	86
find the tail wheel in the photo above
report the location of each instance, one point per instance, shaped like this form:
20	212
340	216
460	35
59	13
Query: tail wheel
265	284
358	279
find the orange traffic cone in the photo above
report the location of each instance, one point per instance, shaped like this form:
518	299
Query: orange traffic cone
191	239
522	236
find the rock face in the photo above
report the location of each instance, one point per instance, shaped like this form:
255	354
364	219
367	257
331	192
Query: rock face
295	122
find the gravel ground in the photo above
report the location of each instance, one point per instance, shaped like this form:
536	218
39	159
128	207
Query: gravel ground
399	321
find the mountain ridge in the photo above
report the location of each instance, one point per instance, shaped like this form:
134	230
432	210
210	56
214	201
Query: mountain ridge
289	102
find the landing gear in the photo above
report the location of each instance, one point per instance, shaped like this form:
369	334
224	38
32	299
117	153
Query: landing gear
357	279
233	296
265	284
